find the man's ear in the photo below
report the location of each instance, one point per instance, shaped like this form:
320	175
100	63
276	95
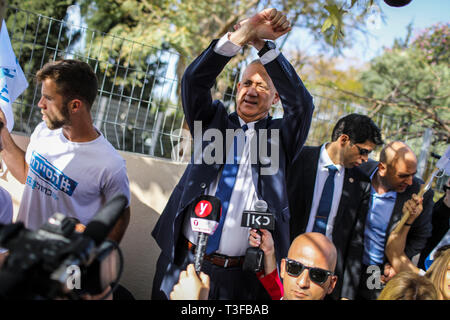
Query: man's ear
382	167
75	105
333	282
276	99
343	138
282	268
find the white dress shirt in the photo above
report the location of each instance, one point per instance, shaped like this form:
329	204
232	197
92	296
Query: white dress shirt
234	238
321	177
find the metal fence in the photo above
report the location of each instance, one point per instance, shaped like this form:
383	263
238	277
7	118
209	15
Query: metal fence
138	107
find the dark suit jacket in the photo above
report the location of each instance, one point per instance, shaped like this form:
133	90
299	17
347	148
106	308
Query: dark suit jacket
441	223
300	183
293	128
418	234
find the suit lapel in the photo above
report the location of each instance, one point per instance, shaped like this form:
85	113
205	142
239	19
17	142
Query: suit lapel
310	171
345	200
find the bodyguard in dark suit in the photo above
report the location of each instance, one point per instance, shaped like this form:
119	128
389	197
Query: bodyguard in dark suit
353	138
263	84
392	184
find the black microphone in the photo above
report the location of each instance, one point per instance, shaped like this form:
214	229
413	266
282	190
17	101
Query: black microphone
205	216
258	219
105	219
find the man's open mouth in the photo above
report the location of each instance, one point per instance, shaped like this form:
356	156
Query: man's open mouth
251	102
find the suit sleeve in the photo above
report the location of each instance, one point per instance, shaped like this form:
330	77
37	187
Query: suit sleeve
421	228
196	85
297	104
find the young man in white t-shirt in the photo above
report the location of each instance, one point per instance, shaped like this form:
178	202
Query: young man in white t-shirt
69	167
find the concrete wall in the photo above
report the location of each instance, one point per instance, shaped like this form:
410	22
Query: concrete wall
151	183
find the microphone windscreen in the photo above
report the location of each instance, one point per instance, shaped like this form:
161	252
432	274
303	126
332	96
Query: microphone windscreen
260	206
205	214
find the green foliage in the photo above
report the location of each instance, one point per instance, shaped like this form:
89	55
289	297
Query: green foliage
434	43
413	83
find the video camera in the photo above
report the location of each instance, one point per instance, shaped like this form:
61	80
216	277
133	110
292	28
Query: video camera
55	259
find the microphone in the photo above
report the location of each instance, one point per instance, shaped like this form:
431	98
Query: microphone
205	216
105	219
93	236
257	219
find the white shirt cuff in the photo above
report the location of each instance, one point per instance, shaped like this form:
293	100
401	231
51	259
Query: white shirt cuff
225	47
269	56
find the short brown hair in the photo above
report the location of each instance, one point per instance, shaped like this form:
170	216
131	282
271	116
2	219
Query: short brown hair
74	79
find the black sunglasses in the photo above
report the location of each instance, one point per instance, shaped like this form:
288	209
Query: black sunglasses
362	151
317	275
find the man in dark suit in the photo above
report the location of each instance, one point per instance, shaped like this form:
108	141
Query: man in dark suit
392	184
263	84
441	224
353	138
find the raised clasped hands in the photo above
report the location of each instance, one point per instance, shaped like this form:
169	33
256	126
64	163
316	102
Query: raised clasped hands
268	24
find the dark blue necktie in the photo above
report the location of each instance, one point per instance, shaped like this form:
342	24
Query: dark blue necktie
323	211
223	192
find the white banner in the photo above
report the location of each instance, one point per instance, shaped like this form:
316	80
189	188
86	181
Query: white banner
12	78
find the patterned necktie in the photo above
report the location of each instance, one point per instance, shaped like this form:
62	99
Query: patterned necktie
323	211
223	192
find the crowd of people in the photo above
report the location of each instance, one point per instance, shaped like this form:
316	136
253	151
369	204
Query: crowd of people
338	228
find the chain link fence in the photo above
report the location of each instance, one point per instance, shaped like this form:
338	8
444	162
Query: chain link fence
138	108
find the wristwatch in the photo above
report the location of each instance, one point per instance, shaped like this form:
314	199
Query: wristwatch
268	45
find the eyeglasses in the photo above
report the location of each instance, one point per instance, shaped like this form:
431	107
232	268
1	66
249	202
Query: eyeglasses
362	151
317	275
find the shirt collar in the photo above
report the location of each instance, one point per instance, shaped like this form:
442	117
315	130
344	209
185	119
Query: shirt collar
325	160
390	194
251	125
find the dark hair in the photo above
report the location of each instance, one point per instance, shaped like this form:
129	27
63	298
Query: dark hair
359	128
74	79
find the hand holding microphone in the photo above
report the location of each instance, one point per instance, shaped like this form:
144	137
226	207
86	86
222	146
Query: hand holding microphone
205	216
260	221
262	238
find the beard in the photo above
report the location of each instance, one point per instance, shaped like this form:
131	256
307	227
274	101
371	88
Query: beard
54	123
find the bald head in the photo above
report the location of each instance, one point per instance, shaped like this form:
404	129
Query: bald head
310	250
397	167
313	244
395	151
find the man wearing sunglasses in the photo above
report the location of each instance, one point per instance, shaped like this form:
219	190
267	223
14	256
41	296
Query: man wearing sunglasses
333	212
307	271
